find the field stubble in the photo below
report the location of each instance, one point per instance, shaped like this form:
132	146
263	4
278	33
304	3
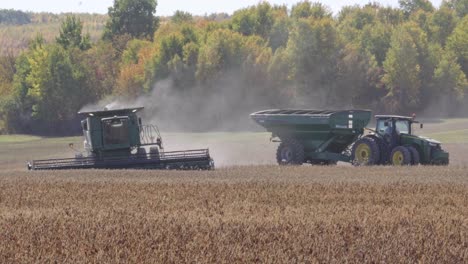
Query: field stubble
238	214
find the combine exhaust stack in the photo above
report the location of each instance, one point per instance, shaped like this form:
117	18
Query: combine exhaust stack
117	139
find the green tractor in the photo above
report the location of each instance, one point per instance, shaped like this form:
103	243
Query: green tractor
324	137
393	142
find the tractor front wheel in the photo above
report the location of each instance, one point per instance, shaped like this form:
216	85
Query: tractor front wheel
365	152
400	156
290	152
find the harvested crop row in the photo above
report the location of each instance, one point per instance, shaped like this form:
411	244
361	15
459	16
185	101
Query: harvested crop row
251	214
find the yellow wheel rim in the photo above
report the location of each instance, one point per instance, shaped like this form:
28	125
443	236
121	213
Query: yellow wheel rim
397	158
363	152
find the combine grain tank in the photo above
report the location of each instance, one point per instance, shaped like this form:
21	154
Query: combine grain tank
117	139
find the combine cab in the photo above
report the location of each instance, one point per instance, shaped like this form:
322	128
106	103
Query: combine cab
326	137
117	139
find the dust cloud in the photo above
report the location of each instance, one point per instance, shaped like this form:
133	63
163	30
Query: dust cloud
224	106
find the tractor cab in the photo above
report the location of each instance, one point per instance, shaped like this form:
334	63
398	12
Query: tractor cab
395	125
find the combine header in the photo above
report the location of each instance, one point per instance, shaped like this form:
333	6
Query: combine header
117	139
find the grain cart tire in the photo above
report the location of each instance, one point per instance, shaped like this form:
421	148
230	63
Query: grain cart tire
290	152
365	152
415	157
400	156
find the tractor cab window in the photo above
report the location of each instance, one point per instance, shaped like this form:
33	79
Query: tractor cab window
115	131
402	126
384	126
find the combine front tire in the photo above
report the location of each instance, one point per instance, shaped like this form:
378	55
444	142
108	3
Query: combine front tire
290	152
365	152
400	156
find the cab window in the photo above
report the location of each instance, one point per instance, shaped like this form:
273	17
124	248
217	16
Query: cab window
384	126
403	127
116	131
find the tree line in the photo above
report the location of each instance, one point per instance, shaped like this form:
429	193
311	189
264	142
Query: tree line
396	60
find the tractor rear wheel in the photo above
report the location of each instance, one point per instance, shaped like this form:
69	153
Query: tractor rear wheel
415	157
400	156
290	152
365	152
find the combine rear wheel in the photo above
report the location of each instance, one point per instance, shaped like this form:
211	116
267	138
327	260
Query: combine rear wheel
400	156
365	152
290	152
415	157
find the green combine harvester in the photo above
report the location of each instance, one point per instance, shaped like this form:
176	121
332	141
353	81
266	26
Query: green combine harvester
326	137
117	139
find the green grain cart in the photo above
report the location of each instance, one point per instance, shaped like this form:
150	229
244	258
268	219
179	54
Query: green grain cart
117	139
326	137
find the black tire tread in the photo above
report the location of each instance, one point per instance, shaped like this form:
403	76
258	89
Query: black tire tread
415	157
298	150
406	154
374	147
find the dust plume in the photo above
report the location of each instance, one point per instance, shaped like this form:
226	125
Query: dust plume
223	106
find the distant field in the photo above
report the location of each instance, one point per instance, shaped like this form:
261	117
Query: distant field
17	138
16	38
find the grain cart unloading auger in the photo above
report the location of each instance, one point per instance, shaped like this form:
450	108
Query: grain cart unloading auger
117	139
326	137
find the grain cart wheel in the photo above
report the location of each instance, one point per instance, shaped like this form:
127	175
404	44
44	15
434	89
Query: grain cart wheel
415	158
400	156
365	152
290	152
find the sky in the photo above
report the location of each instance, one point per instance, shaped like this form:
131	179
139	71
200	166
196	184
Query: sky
168	7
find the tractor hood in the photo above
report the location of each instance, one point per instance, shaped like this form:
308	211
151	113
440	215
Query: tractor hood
430	140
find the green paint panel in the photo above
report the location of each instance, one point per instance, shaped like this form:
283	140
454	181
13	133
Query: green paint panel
327	131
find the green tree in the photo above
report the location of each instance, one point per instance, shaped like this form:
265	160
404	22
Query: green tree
133	17
402	73
71	34
279	34
443	23
307	9
51	85
359	77
180	17
376	40
460	6
450	84
458	43
223	50
314	47
245	21
411	6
